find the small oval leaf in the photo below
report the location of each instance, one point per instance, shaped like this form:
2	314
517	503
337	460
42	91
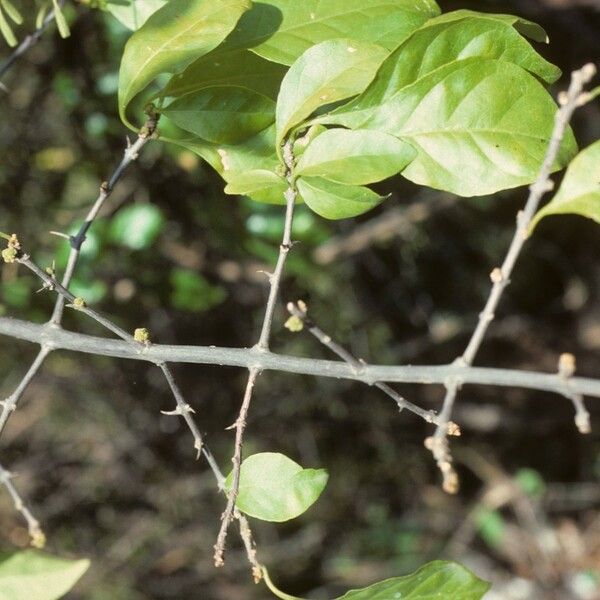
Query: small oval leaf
37	575
355	157
579	192
328	72
275	488
335	200
223	115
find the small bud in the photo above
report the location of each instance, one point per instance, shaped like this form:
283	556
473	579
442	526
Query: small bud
566	365
496	275
141	335
38	538
78	303
9	255
13	242
294	324
453	429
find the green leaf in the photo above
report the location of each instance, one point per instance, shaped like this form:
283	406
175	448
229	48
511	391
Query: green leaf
224	115
257	184
38	576
579	192
444	41
240	68
328	72
436	580
61	22
136	226
194	293
174	36
334	200
478	125
354	157
491	526
523	26
133	13
12	11
275	488
233	160
7	31
531	482
282	30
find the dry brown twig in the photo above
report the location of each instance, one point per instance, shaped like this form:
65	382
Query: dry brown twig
438	444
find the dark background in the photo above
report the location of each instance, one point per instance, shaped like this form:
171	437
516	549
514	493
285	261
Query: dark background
112	479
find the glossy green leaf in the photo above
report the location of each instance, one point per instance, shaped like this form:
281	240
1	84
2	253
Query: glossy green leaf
173	37
478	125
224	115
133	13
275	488
136	226
579	192
444	41
354	157
328	72
38	576
257	185
335	200
239	67
438	580
282	30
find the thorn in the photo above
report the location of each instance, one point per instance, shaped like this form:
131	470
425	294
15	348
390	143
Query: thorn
61	235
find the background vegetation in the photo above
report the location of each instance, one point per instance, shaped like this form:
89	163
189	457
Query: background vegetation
112	479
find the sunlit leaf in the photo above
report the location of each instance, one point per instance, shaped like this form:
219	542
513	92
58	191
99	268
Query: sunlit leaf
224	115
478	125
436	580
281	30
173	37
579	192
334	200
328	72
354	157
38	576
275	488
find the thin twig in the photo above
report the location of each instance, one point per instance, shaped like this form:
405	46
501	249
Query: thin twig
182	409
261	346
131	153
59	339
500	276
38	539
31	40
299	310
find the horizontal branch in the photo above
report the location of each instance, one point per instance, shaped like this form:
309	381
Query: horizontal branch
59	339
